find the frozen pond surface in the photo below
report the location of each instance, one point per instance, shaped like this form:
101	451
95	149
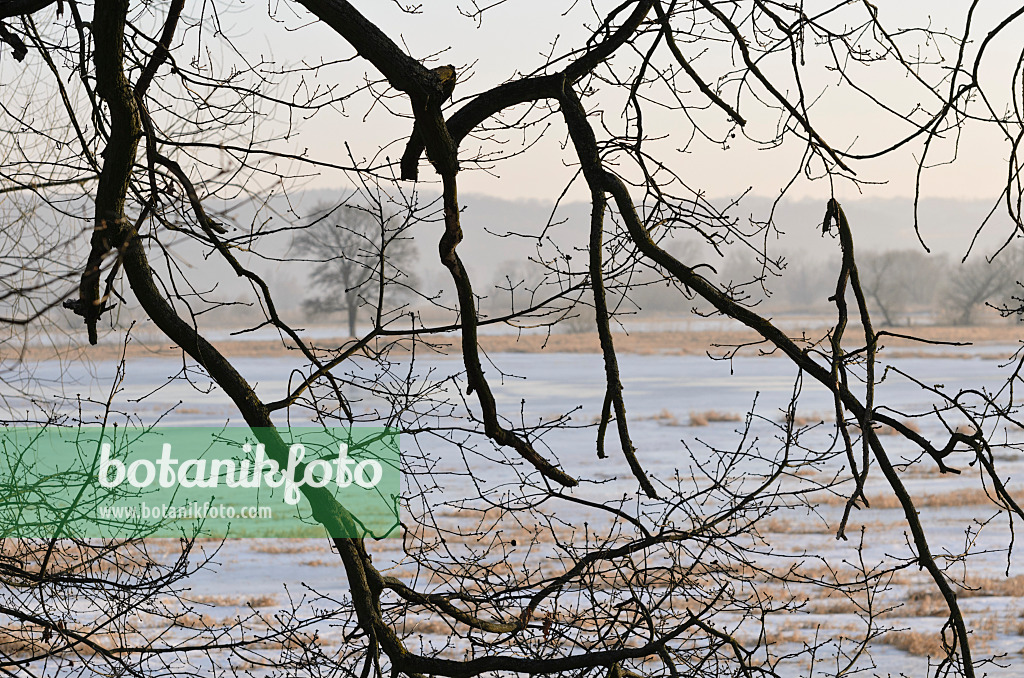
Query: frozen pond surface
664	395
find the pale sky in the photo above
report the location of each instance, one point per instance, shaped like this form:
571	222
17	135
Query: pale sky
515	37
512	38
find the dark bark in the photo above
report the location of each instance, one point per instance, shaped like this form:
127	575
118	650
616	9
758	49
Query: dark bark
12	8
585	143
110	225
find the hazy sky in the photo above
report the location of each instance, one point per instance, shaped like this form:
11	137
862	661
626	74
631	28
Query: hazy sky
513	36
516	36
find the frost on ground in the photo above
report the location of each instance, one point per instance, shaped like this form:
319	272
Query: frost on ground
682	408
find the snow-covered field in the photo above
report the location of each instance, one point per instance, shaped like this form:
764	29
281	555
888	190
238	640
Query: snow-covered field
679	408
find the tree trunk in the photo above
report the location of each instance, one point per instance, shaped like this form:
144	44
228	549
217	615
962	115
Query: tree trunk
353	304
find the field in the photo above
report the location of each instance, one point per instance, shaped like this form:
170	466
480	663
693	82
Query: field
657	337
681	405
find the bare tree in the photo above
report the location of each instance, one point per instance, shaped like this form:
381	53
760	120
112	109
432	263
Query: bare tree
896	280
516	284
166	125
356	254
976	282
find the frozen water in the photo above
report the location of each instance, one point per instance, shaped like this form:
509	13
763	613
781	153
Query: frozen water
661	392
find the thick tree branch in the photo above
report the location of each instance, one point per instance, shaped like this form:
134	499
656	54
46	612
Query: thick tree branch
585	143
110	225
10	8
530	89
425	87
471	347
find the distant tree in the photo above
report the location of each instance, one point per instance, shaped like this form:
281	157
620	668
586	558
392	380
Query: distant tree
356	253
654	291
516	285
806	280
898	280
979	281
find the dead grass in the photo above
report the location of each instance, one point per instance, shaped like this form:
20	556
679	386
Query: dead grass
711	416
919	643
929	643
221	600
974	496
27	640
786	635
664	417
797	630
296	640
643	343
216	600
699	342
801	525
923	467
426	627
838	604
22	641
925	602
801	420
286	545
697	418
885	430
195	621
1012	587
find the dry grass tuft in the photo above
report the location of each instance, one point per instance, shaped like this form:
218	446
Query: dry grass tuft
195	621
919	643
885	430
801	525
669	342
1012	587
833	605
709	416
292	641
21	642
703	418
807	419
285	545
426	627
219	600
973	496
31	639
262	600
665	418
925	602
